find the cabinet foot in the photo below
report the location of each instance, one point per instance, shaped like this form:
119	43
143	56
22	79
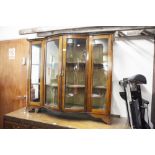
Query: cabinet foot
105	118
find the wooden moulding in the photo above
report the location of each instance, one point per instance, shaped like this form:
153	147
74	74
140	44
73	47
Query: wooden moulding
47	31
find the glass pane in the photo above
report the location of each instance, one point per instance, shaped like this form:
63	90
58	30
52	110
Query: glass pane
35	93
36	54
35	72
75	73
52	61
100	68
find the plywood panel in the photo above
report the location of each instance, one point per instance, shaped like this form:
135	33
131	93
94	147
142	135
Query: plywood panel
13	76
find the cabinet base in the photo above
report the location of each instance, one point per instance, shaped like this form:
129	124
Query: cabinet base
33	109
73	115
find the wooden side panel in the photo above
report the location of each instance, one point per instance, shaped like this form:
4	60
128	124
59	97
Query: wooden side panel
13	76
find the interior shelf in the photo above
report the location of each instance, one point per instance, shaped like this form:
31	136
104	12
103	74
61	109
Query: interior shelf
52	85
74	63
76	107
96	96
51	105
99	87
70	95
75	86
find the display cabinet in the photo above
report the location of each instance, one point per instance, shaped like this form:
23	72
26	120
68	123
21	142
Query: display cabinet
71	74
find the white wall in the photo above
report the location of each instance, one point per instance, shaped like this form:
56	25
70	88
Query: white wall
130	57
8	33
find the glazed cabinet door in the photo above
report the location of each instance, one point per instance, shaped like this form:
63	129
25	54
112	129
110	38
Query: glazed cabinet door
101	56
53	61
36	74
74	81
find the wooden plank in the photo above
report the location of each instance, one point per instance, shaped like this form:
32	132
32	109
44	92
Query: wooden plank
47	31
47	119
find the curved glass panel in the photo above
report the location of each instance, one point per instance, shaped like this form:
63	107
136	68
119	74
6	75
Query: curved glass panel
52	62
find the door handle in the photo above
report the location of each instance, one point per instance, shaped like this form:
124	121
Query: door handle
61	74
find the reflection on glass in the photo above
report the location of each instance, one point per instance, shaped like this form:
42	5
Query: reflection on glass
52	60
100	68
35	73
75	74
35	93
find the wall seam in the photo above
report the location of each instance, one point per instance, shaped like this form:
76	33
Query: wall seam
153	91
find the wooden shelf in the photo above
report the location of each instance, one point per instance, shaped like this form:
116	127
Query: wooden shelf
75	86
70	95
52	85
99	87
96	96
73	63
74	107
51	105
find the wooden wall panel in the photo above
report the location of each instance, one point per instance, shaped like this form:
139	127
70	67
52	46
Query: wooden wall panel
13	76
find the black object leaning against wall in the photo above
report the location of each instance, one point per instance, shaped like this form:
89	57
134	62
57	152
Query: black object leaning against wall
135	104
153	92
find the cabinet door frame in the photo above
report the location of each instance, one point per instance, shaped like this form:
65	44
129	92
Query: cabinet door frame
65	37
107	110
40	103
59	72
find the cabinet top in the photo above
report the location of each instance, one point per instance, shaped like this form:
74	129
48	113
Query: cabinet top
82	29
22	114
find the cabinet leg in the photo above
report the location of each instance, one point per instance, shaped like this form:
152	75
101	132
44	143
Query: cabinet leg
105	118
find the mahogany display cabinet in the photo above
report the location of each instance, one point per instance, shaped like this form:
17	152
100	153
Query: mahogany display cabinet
72	74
